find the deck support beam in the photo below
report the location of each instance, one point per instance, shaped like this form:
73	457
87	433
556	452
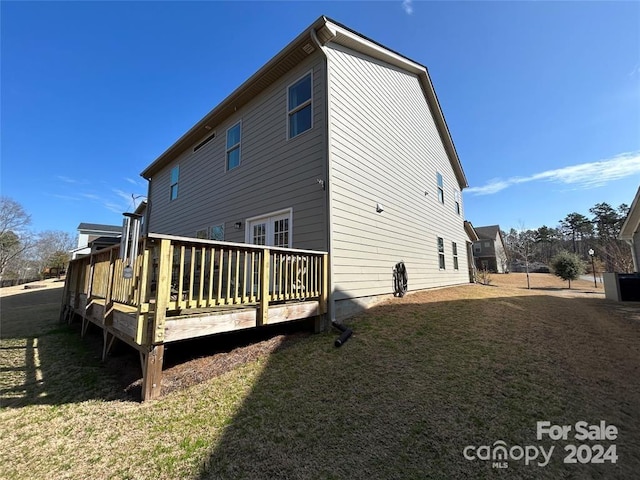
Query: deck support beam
107	343
152	372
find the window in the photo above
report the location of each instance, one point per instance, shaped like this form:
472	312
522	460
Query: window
233	146
440	188
456	197
441	252
217	233
201	233
175	174
454	248
299	106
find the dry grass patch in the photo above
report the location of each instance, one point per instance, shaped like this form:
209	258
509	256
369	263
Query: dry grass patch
423	377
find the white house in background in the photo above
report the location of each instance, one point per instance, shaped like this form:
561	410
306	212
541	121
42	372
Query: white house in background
94	232
630	231
337	144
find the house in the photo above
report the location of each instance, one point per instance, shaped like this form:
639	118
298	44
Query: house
630	231
626	286
337	144
100	235
293	199
489	251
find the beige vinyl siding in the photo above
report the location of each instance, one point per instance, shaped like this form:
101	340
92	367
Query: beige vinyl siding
385	148
274	173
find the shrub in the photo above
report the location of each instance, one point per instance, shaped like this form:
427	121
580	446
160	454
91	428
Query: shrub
567	266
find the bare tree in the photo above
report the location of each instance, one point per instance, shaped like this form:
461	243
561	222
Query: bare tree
15	239
52	249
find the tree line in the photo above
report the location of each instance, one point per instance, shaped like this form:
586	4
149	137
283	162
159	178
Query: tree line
576	233
24	253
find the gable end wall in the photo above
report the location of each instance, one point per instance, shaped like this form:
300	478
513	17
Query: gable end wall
385	148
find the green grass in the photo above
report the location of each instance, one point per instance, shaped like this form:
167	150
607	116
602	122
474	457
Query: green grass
422	377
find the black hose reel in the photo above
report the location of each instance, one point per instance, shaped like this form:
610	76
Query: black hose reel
400	280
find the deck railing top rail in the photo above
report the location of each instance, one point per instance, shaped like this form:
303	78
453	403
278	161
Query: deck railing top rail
241	246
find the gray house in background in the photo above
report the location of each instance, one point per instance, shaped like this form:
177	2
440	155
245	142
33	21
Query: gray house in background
489	251
337	144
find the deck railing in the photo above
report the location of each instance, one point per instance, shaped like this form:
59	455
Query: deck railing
174	276
178	274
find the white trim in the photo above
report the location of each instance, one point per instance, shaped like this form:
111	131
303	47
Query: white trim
301	106
233	147
267	218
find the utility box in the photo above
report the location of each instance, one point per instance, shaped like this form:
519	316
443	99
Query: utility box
623	287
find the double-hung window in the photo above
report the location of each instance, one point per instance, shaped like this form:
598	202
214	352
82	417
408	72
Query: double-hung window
456	197
440	187
299	106
175	174
441	253
233	146
454	248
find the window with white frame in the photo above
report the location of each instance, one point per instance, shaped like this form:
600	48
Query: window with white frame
457	199
216	232
454	249
441	253
299	106
440	187
175	175
233	146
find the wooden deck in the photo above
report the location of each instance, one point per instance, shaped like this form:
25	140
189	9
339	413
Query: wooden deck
184	288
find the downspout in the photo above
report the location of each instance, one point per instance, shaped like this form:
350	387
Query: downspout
329	190
634	255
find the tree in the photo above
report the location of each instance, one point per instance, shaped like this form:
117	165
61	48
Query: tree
52	249
608	221
15	239
567	266
576	226
519	245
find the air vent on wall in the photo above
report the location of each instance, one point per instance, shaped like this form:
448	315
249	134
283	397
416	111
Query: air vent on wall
308	48
204	142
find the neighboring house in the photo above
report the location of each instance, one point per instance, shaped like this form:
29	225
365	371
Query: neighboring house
96	234
630	231
337	144
489	251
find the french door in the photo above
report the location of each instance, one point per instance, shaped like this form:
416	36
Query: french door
273	230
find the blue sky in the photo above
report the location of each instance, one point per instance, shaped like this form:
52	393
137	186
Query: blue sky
542	99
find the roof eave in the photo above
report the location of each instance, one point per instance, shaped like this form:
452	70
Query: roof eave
631	224
229	104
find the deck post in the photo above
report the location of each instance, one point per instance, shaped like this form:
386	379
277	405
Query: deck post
66	292
76	298
163	292
262	316
321	321
108	301
143	296
153	350
152	372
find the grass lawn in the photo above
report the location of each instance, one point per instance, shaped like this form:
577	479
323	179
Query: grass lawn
422	378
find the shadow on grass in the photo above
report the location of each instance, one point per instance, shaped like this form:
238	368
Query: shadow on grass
44	361
420	381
